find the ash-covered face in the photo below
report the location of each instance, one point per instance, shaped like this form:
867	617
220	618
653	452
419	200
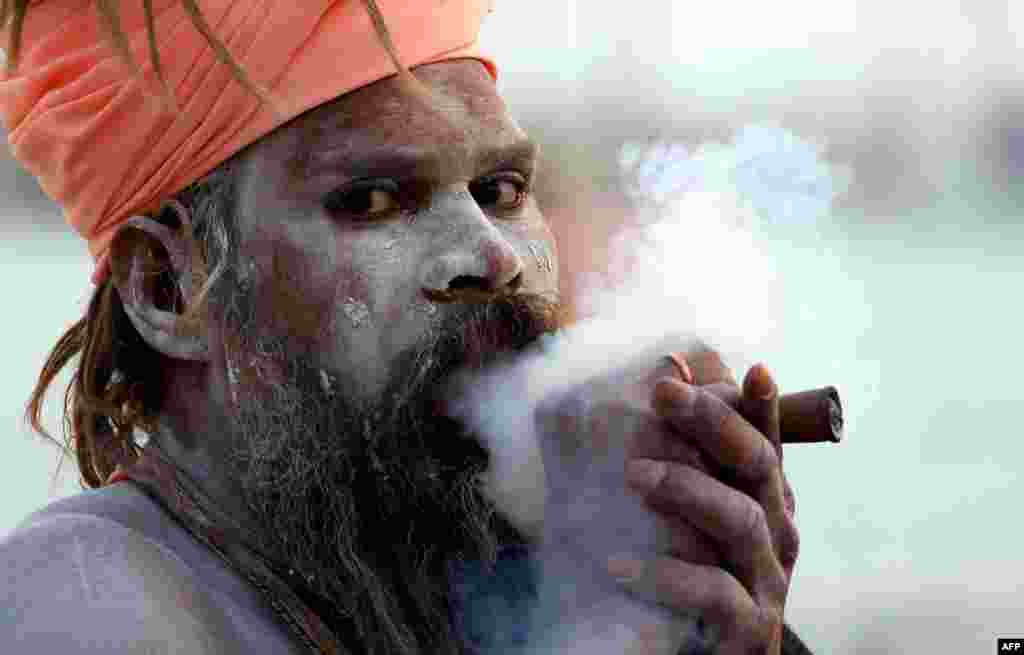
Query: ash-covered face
381	212
386	241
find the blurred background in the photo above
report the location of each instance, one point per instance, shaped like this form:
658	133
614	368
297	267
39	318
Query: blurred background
905	295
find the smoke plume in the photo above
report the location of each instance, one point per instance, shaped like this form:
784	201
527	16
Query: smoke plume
690	265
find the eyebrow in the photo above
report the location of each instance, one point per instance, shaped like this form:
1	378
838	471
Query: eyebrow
415	162
520	153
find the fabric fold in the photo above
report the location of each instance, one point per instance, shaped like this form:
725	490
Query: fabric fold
102	142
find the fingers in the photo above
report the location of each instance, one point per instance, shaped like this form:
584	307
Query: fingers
742	452
735	522
686	542
712	592
759	404
738	623
657	441
719	431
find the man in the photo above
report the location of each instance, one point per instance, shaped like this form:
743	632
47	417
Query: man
290	270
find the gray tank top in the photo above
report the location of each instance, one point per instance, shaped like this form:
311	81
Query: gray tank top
110	571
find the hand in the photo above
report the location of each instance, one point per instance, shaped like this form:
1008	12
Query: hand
727	544
736	504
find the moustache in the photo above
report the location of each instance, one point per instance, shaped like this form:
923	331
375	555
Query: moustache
476	334
470	337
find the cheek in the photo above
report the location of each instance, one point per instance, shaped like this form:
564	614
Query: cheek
353	298
535	244
378	307
373	290
295	291
251	372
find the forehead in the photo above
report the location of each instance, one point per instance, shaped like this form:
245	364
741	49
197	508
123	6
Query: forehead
462	112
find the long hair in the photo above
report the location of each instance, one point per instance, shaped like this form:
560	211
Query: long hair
116	387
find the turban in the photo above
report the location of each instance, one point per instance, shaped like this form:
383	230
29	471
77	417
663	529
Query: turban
105	145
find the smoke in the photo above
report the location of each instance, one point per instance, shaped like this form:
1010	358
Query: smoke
691	265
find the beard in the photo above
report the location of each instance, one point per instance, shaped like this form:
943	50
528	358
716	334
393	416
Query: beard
372	502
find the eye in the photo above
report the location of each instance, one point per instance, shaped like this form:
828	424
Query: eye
502	192
365	200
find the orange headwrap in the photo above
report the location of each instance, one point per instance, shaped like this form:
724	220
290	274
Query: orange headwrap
102	142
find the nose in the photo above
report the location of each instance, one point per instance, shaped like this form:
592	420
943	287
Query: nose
472	259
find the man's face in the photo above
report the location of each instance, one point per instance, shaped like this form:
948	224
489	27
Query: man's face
386	241
372	218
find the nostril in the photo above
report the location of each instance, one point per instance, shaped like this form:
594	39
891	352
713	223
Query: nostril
464	282
514	284
474	283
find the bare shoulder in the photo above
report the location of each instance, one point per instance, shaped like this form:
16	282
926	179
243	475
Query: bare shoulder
79	583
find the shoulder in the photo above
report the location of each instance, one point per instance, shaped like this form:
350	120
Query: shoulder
77	580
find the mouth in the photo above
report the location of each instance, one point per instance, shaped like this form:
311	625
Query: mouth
474	339
465	295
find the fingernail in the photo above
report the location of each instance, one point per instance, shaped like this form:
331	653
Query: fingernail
762	385
684	368
645	474
624	568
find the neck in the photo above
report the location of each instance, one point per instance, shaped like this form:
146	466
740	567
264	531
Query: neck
192	433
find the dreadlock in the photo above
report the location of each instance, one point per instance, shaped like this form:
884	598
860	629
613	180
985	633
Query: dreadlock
116	388
109	13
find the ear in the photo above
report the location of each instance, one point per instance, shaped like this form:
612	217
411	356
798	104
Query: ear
151	269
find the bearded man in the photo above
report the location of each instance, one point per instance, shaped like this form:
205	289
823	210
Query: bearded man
297	247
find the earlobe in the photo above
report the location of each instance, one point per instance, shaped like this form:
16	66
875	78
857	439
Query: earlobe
151	269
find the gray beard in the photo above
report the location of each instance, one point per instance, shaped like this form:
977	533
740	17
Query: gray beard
373	503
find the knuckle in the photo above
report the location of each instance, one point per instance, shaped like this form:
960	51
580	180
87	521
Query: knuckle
753	527
712	416
690	545
759	633
727	393
789	547
768	624
762	463
720	605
